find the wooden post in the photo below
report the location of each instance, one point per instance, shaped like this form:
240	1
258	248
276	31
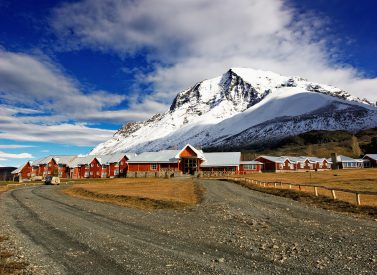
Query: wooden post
333	194
299	187
274	184
290	186
264	184
358	199
316	191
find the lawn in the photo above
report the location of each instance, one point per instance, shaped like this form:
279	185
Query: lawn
146	193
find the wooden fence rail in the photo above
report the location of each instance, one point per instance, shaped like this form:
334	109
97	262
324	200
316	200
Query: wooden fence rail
333	190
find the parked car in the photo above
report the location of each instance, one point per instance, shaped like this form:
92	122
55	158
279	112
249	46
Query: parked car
48	180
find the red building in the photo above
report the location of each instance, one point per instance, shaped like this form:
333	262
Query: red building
370	160
187	161
190	160
291	164
23	172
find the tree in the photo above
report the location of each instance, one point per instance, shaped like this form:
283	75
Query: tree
356	151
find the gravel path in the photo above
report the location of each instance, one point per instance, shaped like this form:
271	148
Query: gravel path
234	231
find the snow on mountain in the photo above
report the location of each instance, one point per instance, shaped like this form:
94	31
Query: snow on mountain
244	106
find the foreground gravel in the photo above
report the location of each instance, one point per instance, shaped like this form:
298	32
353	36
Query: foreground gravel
234	231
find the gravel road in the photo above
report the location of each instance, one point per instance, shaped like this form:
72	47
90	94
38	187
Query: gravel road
234	231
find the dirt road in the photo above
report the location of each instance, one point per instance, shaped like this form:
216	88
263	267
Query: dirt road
234	231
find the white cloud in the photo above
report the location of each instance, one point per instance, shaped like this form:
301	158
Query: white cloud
15	156
13	128
40	87
14	146
188	41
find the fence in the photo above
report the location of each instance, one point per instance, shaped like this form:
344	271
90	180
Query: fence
307	187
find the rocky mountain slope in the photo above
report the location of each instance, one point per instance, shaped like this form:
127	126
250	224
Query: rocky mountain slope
243	107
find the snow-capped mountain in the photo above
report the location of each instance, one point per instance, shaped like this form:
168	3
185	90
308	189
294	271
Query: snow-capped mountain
244	106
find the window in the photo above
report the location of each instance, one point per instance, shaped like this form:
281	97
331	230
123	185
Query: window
104	175
86	174
92	165
91	173
116	172
121	170
97	173
291	166
154	166
121	163
249	167
281	166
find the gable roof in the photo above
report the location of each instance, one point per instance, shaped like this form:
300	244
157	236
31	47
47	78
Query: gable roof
164	156
84	160
341	158
372	156
275	159
115	157
19	169
221	159
59	159
199	153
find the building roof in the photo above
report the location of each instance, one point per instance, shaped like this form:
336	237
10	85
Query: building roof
19	169
221	159
43	160
115	157
372	156
250	162
274	159
199	153
59	159
83	160
341	158
164	156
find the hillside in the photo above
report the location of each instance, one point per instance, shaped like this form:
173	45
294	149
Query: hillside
242	108
315	143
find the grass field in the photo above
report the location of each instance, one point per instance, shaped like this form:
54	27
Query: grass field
147	193
355	180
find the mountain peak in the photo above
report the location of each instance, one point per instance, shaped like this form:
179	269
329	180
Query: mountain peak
244	106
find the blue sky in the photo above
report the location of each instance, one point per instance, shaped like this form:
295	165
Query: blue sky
72	72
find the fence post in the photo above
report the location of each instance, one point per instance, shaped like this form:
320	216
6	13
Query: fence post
274	184
333	194
264	184
316	191
290	186
358	199
299	187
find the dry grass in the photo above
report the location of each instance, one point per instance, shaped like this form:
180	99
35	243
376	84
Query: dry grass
354	180
324	202
149	193
3	189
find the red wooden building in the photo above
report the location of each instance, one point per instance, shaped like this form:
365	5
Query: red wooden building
190	160
292	164
370	160
187	160
23	172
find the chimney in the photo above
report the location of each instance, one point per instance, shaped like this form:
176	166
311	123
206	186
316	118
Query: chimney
334	159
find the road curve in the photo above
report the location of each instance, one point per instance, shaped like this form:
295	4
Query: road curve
234	231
